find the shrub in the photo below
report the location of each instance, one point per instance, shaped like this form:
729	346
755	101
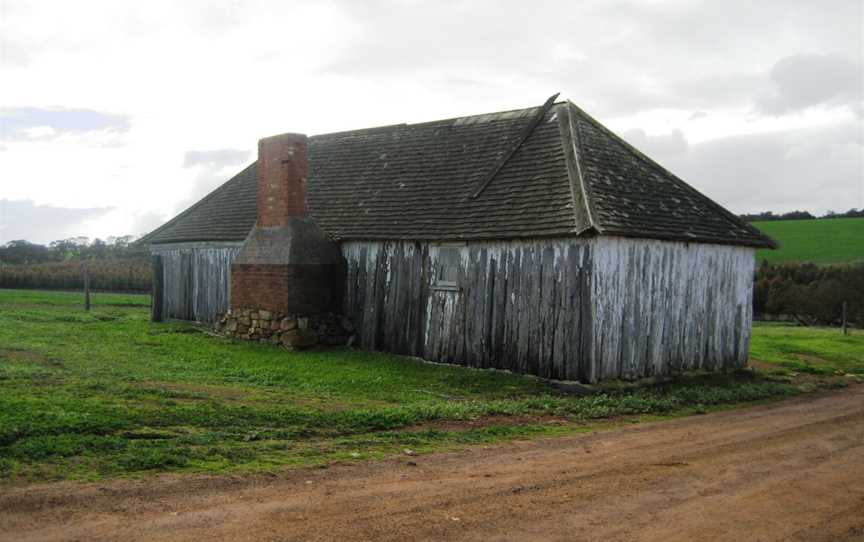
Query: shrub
811	294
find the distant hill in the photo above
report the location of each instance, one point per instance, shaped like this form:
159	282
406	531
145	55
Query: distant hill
834	240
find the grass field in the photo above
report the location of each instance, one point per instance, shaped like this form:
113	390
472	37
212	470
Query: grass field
818	351
107	393
836	240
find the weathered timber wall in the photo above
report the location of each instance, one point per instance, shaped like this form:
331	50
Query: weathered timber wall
196	279
586	310
660	307
572	309
520	305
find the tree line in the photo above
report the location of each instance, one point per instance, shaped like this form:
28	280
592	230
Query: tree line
72	249
800	215
114	264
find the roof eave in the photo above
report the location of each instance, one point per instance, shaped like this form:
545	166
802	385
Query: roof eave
764	243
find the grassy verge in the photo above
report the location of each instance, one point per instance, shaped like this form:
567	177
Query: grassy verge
107	393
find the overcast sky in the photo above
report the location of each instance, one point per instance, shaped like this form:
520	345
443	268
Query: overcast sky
116	115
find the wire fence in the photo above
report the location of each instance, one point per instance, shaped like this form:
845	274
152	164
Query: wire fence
106	276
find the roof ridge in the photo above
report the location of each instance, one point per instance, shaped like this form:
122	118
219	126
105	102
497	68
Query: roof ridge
729	216
480	115
359	131
574	151
426	122
236	178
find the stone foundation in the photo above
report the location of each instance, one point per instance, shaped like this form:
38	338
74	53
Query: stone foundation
293	331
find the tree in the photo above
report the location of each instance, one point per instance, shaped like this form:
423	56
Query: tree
23	252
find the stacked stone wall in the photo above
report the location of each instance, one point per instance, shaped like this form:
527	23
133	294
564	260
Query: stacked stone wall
293	331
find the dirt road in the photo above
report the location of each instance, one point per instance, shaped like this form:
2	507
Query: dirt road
787	471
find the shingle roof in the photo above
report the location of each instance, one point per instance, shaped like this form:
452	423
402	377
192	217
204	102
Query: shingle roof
569	176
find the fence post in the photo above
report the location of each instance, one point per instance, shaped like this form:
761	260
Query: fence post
845	330
86	287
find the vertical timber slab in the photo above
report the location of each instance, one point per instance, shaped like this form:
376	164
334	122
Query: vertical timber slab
421	297
187	312
158	289
664	307
588	365
545	353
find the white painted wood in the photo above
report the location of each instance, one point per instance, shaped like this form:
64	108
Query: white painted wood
661	306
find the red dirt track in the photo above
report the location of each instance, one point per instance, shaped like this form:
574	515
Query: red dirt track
787	471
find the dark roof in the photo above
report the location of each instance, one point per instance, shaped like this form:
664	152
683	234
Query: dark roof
540	172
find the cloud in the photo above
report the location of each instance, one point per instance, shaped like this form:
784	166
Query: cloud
28	123
13	53
616	57
803	81
819	169
23	219
213	167
634	64
144	223
215	158
660	147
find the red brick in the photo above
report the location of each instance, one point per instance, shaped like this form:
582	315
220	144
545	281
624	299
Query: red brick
282	169
287	289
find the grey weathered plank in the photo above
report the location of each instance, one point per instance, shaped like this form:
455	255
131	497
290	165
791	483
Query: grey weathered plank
156	304
196	279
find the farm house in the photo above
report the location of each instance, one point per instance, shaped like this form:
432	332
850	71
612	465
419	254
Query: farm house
532	240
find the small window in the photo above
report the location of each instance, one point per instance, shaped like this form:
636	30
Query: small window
447	274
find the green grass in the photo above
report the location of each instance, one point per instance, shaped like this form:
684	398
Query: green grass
838	240
818	351
11	298
108	393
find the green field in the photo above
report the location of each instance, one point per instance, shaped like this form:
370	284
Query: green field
837	240
108	393
811	350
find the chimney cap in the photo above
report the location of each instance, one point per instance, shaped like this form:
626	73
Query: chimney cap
284	138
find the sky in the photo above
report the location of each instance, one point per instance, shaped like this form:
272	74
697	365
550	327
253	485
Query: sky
115	116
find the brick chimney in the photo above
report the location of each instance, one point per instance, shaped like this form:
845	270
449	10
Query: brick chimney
286	265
